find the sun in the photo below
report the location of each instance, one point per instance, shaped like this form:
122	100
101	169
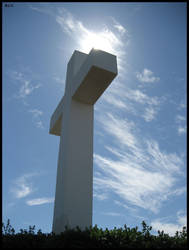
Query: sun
96	41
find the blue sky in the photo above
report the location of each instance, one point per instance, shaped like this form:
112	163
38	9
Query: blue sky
139	156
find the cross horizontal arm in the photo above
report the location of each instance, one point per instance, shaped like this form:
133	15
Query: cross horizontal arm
56	118
94	76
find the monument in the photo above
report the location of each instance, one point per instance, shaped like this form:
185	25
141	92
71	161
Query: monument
88	75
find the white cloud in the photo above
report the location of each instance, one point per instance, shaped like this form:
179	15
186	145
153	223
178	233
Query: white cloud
39	124
178	191
110	98
36	113
149	114
181	130
26	89
147	76
142	174
181	121
42	8
116	128
140	97
59	80
25	80
100	196
180	118
39	201
182	105
66	24
22	186
25	77
133	101
169	162
170	228
15	75
118	26
181	218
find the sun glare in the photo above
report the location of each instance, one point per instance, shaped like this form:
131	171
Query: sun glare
96	41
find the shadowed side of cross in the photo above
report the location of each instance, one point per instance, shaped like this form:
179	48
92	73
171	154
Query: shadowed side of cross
88	75
91	75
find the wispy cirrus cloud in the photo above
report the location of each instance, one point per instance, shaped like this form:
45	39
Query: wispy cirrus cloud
182	105
99	195
181	124
180	119
39	124
181	130
147	76
149	114
59	80
163	224
22	186
120	28
39	201
134	101
36	113
25	80
26	89
138	170
42	8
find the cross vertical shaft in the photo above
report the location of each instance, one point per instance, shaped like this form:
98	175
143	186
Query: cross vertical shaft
73	122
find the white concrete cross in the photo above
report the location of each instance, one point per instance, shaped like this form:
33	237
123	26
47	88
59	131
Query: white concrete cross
88	75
